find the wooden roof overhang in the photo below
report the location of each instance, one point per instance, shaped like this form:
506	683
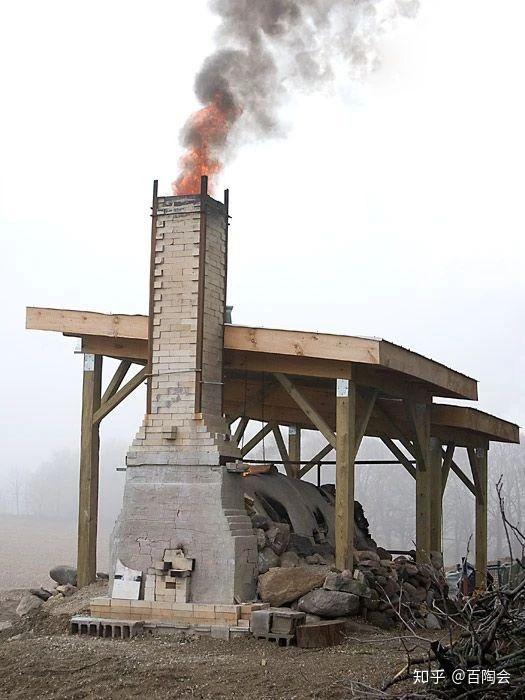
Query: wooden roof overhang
315	360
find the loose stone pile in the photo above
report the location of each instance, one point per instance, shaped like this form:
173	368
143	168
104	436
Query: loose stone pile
66	579
300	574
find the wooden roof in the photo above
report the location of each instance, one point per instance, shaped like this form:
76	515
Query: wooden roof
316	359
295	352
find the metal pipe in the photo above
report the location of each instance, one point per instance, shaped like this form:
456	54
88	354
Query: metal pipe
329	462
154	206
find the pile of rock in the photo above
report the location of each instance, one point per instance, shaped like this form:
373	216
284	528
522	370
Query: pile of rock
280	547
300	574
65	578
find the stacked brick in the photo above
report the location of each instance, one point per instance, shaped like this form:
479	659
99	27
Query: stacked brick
190	614
173	433
177	494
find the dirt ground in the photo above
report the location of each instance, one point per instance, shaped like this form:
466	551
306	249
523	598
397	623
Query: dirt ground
39	659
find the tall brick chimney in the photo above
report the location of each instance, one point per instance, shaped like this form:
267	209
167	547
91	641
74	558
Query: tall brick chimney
178	492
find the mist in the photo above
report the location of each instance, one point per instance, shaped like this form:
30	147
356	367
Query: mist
38	510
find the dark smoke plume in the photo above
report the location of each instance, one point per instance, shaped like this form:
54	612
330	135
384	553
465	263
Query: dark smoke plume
269	48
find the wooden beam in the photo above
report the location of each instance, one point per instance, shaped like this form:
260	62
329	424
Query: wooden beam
243	361
398	454
448	456
419	419
307	408
365	413
346	431
241	428
415	365
89	472
127	348
116	381
256	439
473	419
289	468
436	495
476	473
462	477
315	461
422	513
479	463
122	394
87	323
298	344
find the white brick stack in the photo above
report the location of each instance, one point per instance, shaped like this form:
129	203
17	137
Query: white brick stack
177	495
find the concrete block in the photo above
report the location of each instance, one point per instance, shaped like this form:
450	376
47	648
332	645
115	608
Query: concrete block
260	622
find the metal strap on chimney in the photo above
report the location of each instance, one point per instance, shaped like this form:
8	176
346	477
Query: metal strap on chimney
200	299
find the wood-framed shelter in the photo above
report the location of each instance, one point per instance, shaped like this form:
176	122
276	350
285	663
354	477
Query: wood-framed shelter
345	387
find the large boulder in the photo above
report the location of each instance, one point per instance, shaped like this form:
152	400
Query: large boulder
267	559
64	574
329	603
28	604
347	584
280	586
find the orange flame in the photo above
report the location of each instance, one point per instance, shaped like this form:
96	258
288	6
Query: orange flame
206	135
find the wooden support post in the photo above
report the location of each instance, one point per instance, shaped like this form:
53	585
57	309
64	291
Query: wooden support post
479	463
89	469
294	449
436	494
346	434
419	415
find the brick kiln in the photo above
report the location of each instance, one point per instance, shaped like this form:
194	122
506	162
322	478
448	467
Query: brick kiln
178	493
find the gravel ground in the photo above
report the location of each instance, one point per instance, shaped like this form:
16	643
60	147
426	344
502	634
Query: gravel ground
39	659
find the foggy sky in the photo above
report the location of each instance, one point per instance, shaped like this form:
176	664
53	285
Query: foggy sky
404	221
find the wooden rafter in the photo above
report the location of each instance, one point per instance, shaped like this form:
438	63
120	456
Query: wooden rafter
419	418
307	408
